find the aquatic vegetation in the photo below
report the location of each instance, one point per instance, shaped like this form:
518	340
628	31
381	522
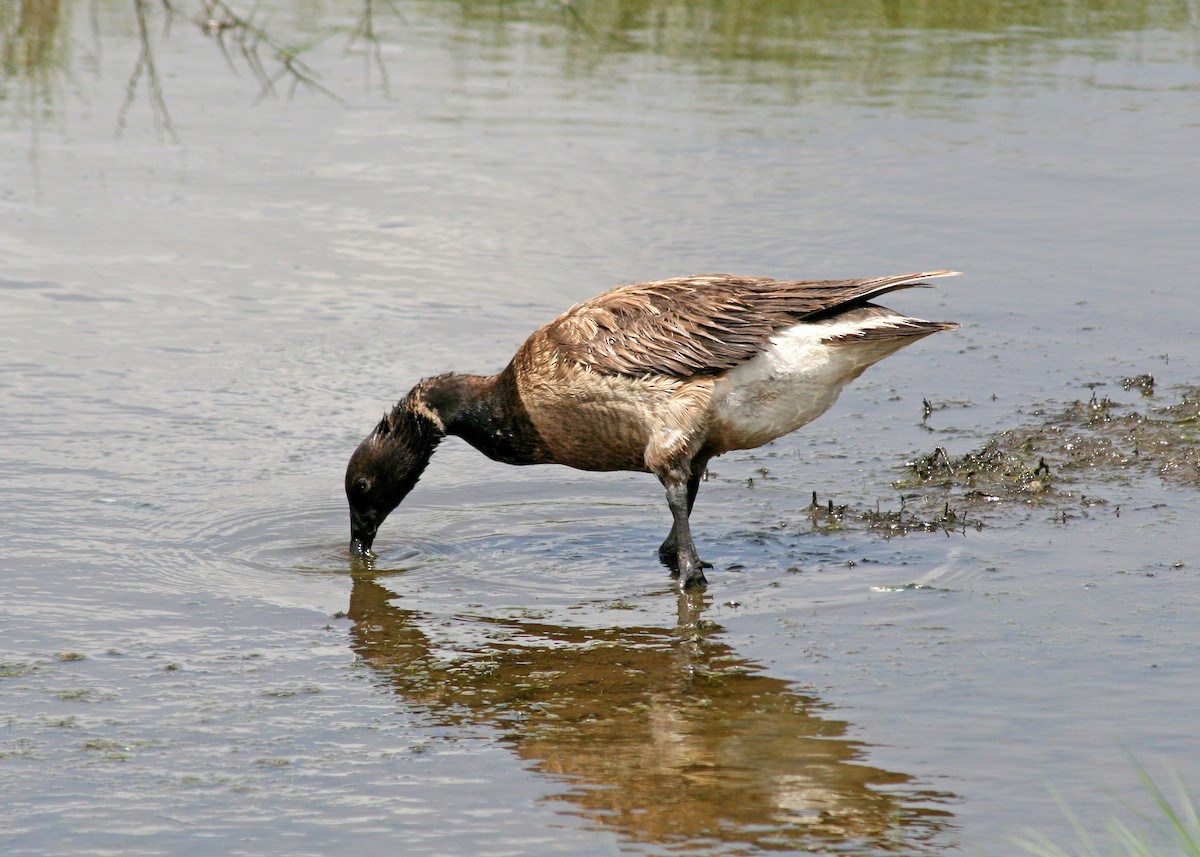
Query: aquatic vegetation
17	669
1094	441
1060	463
1175	832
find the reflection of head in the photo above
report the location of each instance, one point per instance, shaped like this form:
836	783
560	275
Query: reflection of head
662	736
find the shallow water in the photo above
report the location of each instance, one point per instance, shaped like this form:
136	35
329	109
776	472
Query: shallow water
204	311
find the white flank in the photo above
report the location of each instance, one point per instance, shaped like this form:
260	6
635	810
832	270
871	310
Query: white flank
797	378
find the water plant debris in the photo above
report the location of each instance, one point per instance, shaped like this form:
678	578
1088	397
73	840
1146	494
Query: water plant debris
1063	463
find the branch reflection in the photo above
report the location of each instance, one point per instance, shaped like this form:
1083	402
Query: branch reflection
663	735
810	48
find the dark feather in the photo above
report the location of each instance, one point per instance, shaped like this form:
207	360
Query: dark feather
707	324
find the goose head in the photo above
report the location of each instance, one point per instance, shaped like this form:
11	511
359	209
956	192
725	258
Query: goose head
383	470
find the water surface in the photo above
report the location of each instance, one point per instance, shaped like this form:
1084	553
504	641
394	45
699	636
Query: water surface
208	295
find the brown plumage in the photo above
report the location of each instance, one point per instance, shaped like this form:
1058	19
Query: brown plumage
703	325
656	377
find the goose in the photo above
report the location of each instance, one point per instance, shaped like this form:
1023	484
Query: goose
655	377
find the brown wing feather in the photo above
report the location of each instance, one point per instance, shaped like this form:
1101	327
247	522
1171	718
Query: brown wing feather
701	325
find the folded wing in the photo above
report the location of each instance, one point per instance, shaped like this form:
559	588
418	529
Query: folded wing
702	325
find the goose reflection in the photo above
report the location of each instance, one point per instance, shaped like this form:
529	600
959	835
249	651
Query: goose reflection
664	735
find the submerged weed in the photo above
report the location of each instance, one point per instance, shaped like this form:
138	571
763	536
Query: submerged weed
1144	383
1043	465
17	669
1097	440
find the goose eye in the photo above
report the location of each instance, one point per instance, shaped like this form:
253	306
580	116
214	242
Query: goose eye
362	485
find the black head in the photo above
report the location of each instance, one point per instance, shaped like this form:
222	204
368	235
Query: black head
384	468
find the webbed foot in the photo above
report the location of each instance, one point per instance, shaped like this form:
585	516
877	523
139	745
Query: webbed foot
668	555
689	571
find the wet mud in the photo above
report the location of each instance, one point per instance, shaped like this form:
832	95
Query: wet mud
1061	463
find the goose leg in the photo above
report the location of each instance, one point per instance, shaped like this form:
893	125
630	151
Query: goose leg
681	494
667	550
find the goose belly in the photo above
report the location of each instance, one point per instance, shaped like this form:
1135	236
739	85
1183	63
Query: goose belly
792	382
